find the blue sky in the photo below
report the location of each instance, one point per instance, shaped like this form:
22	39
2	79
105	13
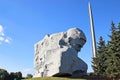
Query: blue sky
25	22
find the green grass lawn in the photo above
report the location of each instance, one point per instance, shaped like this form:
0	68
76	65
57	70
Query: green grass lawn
54	78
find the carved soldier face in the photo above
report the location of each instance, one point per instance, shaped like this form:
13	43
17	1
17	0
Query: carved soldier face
75	43
76	38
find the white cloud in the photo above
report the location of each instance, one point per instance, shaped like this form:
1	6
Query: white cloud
1	31
3	38
8	40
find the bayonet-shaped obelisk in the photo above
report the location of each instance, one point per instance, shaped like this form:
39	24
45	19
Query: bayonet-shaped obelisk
92	31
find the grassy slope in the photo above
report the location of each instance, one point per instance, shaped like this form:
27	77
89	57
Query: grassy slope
54	78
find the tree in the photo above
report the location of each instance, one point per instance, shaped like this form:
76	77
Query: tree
15	75
98	62
113	50
107	61
19	75
12	76
29	76
4	75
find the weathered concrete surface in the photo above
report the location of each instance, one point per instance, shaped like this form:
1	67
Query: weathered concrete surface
57	54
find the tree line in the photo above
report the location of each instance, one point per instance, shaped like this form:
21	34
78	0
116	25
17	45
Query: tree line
4	75
107	60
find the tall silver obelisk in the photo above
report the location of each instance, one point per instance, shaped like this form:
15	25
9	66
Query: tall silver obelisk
92	31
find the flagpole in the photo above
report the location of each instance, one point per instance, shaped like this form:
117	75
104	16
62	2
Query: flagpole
92	31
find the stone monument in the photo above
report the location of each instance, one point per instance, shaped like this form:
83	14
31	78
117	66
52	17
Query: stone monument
57	54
